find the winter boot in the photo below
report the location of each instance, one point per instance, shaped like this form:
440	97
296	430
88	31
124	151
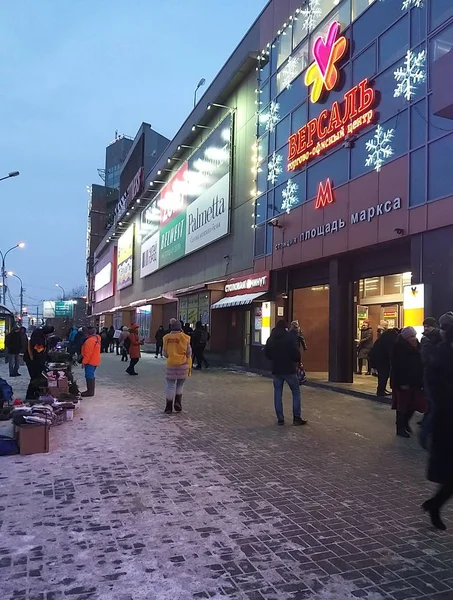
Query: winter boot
401	423
91	384
169	407
178	402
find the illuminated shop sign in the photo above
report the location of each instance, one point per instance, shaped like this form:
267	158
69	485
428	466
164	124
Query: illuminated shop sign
323	74
125	259
365	215
258	282
104	277
332	126
325	194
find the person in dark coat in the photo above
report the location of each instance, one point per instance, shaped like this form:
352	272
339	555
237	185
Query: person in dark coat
200	337
406	379
13	343
104	340
295	330
429	343
35	358
79	340
380	356
160	334
24	338
283	350
440	466
111	337
364	347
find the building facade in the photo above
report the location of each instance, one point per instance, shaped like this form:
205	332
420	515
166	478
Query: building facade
335	180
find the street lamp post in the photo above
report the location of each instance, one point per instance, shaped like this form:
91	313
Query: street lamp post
3	257
11	274
62	289
201	83
12	174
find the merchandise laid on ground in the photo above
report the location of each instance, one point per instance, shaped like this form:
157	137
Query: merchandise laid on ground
25	424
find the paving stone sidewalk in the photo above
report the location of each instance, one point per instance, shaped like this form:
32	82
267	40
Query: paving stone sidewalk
219	502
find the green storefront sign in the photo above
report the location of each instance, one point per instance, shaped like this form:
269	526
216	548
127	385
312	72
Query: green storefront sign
63	309
172	240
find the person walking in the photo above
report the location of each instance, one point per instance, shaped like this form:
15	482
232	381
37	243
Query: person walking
24	338
124	343
406	379
110	337
79	340
104	340
364	346
116	340
294	329
91	359
282	349
200	337
380	357
159	337
178	353
134	349
439	374
13	343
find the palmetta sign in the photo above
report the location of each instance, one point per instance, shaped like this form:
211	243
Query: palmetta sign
332	126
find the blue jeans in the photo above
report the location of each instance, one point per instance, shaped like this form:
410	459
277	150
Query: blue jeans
13	360
90	372
292	381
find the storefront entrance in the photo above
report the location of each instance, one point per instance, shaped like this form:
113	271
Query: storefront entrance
311	309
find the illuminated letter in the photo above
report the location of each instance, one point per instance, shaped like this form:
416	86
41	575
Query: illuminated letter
350	106
367	96
335	119
325	194
311	127
302	142
292	153
322	129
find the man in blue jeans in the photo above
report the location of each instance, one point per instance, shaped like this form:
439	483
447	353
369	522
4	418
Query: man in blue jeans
282	349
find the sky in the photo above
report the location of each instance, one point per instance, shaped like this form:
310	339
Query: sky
72	73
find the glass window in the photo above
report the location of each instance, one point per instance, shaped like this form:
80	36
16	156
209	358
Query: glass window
292	97
388	104
392	285
290	194
417	187
265	70
342	15
283	47
284	175
358	6
438	126
143	320
262	177
441	10
263	147
260	240
261	209
364	66
440	173
418	87
282	132
335	167
372	287
269	239
373	22
294	66
265	93
359	154
441	43
418	25
299	118
300	29
418	124
394	43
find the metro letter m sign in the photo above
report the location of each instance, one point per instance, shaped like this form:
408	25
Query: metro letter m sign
325	194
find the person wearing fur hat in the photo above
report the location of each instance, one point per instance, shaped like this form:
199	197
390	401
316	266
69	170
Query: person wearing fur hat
134	349
406	380
365	345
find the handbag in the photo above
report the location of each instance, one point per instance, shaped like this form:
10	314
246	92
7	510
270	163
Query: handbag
301	375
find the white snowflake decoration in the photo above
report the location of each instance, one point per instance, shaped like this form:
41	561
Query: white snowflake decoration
379	148
290	72
273	116
311	14
289	194
275	168
412	74
409	3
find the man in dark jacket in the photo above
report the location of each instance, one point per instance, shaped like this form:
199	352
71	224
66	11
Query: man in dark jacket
159	337
428	347
380	358
13	343
282	349
200	337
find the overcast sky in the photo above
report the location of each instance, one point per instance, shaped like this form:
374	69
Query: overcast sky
73	72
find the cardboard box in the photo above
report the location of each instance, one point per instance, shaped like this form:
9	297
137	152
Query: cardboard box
63	385
33	438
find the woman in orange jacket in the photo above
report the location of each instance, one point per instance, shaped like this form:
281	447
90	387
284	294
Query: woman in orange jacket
133	349
91	359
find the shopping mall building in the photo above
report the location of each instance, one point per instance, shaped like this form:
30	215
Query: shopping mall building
313	181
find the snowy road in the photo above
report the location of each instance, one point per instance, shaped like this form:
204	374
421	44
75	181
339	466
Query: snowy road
218	502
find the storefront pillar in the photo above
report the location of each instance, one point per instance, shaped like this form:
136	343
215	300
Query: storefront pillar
341	317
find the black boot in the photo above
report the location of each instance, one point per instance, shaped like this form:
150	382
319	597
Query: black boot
169	407
91	384
434	513
178	402
401	423
409	416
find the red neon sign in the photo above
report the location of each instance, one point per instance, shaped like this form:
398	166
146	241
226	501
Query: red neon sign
325	194
323	73
332	126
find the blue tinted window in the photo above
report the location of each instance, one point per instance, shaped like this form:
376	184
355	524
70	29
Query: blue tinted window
418	124
385	87
364	66
260	240
262	177
438	126
418	25
265	94
299	118
261	209
282	132
335	167
292	97
441	10
269	239
394	43
417	186
373	22
440	174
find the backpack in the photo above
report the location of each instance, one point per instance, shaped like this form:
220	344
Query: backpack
6	392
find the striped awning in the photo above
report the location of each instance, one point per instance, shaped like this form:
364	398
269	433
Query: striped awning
240	300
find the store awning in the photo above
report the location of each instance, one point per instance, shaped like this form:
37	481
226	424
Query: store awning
241	300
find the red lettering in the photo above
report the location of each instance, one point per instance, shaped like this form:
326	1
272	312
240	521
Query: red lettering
325	194
311	128
367	96
292	152
335	119
350	108
322	129
302	142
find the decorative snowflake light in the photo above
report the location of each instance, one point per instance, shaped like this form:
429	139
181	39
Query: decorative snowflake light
275	168
379	148
290	72
273	116
409	3
289	194
311	14
409	76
